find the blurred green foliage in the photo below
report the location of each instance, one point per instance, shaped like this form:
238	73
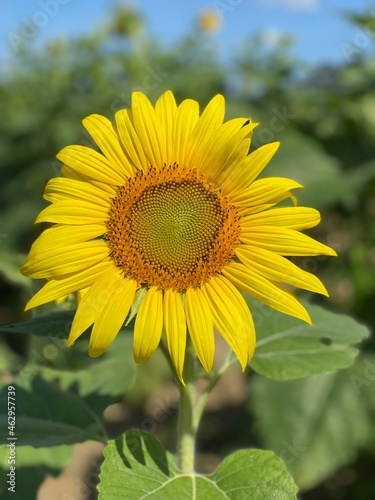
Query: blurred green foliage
325	120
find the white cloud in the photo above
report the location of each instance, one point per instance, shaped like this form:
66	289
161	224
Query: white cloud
294	5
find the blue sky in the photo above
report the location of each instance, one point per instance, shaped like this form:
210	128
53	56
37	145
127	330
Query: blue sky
317	26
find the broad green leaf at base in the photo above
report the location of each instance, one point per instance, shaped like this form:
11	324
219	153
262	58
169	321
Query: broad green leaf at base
136	466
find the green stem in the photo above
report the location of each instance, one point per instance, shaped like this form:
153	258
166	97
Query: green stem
187	425
191	408
214	378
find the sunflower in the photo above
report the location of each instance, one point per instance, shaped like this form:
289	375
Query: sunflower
169	221
209	21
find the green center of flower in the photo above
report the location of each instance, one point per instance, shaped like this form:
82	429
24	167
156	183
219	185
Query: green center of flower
171	229
175	224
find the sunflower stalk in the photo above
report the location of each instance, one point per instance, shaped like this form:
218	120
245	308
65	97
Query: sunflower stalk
187	423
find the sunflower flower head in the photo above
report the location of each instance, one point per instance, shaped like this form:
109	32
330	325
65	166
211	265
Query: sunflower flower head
170	211
209	21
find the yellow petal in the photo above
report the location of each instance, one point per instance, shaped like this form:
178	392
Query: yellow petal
292	217
70	173
61	188
130	140
222	145
265	291
200	325
105	136
245	211
165	109
73	212
249	169
287	242
63	236
148	325
233	294
230	318
263	191
81	294
175	329
237	155
149	130
89	162
110	320
53	262
186	118
279	269
94	302
56	289
211	119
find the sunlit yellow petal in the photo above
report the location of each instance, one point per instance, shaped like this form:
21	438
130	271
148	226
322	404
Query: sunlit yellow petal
105	136
228	317
292	217
265	291
61	236
210	120
148	325
132	144
66	284
149	130
175	329
94	302
287	242
186	117
73	212
238	153
278	269
89	162
245	211
200	325
263	190
52	262
223	144
112	317
165	109
244	173
61	188
70	173
81	293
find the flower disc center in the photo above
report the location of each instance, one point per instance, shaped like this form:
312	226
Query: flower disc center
171	228
175	224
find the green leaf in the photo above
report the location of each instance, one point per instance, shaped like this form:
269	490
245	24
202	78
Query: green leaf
48	416
137	466
56	324
110	375
288	348
316	425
